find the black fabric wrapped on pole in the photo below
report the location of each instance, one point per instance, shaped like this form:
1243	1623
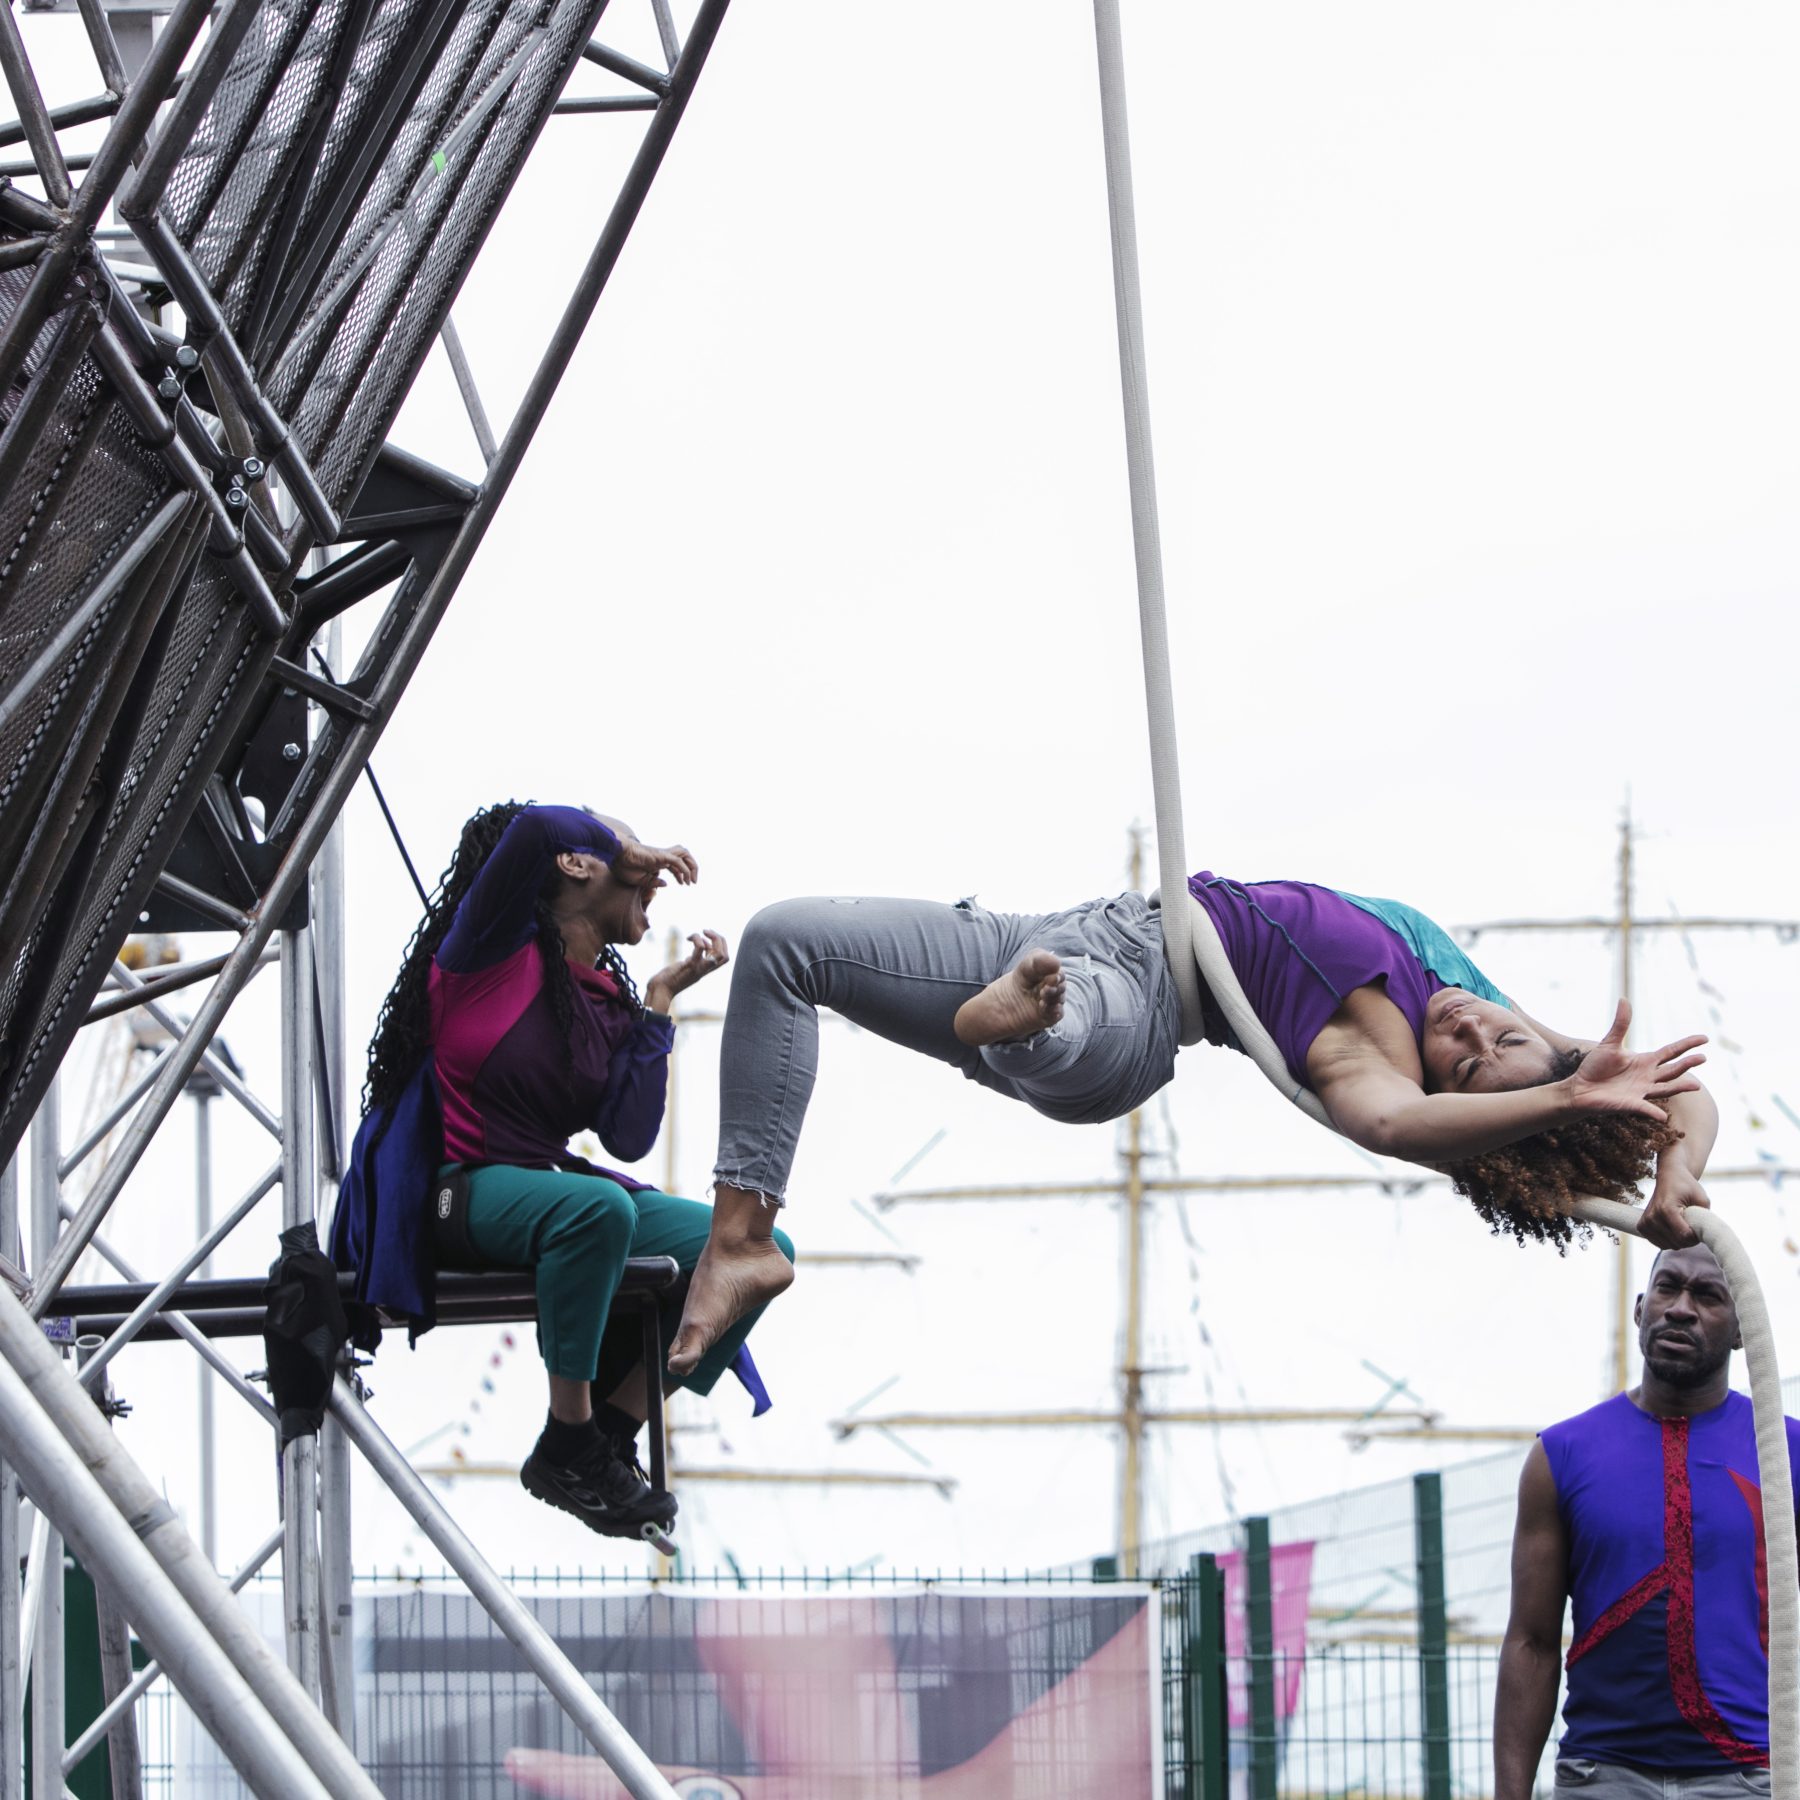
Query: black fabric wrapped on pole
304	1331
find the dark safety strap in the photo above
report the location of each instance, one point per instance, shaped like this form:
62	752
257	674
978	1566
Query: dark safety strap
450	1220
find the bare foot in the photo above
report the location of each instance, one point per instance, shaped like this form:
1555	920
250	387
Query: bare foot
735	1275
1026	999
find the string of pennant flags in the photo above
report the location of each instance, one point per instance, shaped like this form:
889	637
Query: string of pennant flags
1772	1161
487	1383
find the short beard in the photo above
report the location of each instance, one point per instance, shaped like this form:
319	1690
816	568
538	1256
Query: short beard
1684	1375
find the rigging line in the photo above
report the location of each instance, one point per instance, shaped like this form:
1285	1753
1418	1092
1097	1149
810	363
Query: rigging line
387	812
327	1114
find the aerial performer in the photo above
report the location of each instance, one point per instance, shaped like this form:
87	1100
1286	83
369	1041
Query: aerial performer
1410	1049
513	1026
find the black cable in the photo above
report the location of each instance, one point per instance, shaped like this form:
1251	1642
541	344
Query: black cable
399	843
381	801
334	1167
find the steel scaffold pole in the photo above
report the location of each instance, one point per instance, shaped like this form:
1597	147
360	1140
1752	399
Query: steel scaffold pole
69	1406
110	1546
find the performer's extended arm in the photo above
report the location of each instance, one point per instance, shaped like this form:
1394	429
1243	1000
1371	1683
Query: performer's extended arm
1376	1106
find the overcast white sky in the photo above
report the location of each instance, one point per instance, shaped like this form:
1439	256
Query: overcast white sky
1473	377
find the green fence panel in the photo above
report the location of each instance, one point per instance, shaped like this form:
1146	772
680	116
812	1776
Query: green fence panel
1259	1609
1434	1634
1208	1736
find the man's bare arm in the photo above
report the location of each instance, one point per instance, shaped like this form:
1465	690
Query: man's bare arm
1531	1652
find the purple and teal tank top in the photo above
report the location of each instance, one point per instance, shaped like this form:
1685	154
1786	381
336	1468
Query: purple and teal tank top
1297	950
1668	1575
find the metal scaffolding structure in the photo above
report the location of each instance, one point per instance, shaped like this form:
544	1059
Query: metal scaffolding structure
208	325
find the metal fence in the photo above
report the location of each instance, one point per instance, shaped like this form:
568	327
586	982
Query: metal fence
1398	1714
1378	1679
720	1676
1364	1687
1385	1688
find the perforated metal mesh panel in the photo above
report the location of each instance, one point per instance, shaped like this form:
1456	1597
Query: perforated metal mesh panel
347	163
210	653
408	289
397	31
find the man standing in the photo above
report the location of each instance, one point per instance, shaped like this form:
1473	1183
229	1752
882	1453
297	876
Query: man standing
1646	1512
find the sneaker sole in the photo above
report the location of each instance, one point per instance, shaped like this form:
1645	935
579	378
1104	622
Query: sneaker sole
622	1521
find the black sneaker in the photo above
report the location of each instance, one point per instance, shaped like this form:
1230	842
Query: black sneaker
606	1494
626	1450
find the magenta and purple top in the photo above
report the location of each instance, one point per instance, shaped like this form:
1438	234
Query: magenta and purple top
512	1091
1669	1579
1298	950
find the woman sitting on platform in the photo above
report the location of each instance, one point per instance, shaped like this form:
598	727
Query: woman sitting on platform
1410	1049
512	1026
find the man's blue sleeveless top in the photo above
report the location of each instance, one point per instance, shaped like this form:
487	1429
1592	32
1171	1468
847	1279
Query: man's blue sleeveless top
1669	1578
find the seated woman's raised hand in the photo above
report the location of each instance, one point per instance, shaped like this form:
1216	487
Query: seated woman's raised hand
710	952
639	864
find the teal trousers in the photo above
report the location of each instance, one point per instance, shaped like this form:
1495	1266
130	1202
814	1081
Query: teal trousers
575	1233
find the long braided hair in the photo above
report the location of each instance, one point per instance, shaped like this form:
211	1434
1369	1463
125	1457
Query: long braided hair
403	1029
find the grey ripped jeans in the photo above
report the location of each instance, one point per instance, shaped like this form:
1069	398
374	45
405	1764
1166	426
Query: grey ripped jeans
901	968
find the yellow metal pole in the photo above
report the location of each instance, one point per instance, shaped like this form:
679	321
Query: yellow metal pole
491	1471
1404	1186
1621	1373
669	1133
1083	1418
1132	1373
671	1138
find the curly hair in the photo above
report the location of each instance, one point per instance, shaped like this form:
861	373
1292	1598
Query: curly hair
1526	1188
402	1037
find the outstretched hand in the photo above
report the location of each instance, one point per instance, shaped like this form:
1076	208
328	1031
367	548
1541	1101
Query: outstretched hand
710	952
1614	1079
638	864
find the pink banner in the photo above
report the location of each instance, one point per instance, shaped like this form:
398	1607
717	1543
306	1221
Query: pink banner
1006	1693
1290	1585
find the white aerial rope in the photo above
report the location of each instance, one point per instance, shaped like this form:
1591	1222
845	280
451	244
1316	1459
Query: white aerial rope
1192	944
1146	537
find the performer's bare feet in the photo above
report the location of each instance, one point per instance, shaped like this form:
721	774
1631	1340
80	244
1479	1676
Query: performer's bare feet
1026	999
741	1268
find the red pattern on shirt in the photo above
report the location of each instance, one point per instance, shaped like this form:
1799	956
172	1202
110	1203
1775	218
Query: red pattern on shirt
1753	1499
1675	1577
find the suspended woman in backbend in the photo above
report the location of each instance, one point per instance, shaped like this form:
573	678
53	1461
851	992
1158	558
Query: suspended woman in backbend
1410	1048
